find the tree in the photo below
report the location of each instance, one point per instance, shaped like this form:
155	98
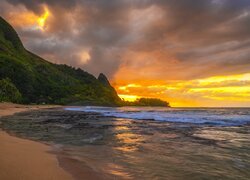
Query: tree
151	102
9	92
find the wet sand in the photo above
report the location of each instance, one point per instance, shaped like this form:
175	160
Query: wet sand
24	159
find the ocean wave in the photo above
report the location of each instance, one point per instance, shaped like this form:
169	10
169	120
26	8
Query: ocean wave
206	116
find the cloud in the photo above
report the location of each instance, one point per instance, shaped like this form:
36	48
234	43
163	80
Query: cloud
214	91
158	40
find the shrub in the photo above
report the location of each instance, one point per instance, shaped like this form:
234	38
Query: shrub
9	92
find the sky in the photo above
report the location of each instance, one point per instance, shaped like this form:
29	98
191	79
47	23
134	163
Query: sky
187	52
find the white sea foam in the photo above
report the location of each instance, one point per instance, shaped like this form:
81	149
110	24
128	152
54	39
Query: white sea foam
212	116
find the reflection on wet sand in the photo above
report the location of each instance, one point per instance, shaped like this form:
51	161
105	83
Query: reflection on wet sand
127	139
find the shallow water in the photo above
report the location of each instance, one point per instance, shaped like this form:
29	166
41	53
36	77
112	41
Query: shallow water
182	144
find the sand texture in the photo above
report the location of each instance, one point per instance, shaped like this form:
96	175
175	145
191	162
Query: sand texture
22	159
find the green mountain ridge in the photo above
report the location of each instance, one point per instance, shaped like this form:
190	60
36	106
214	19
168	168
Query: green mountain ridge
40	81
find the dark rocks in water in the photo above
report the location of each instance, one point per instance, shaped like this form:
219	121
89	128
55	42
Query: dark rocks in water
68	127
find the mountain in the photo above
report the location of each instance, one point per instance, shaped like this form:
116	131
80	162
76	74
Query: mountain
39	81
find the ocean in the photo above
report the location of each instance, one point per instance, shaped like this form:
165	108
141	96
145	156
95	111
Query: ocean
202	116
144	142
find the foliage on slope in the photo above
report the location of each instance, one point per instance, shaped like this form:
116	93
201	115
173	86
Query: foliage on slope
40	81
9	92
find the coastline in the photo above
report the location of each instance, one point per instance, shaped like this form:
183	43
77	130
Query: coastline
26	159
89	145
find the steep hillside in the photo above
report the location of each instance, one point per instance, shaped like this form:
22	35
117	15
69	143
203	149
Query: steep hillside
40	81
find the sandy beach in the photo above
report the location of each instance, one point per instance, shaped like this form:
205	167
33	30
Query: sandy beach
24	159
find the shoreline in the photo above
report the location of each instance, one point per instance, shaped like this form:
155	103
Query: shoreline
89	145
27	159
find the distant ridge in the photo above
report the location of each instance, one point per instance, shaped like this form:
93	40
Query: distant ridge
40	81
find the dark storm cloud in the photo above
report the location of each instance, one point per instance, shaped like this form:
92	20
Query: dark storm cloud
36	6
104	57
205	37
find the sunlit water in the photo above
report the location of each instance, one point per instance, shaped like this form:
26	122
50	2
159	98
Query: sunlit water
146	143
212	116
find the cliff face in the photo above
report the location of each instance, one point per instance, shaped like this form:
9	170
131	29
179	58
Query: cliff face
104	80
40	81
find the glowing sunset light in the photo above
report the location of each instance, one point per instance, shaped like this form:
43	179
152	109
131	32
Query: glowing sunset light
42	19
200	92
125	88
30	20
84	57
180	52
239	77
130	98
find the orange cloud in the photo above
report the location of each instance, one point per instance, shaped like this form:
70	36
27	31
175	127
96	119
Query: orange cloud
153	49
25	18
42	19
231	90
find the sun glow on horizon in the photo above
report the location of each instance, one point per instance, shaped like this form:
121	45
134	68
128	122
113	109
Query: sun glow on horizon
142	56
231	90
130	98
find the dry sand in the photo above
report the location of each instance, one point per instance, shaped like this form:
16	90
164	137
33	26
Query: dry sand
22	159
